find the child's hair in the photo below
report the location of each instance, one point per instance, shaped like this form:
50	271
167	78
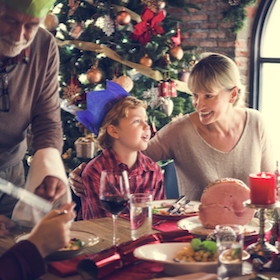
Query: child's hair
119	111
213	72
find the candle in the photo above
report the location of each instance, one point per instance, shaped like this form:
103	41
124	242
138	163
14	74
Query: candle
263	188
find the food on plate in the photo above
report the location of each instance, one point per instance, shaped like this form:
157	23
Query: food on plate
232	255
198	251
74	244
184	209
222	203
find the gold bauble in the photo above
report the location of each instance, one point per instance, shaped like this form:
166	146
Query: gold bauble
51	21
125	82
123	18
94	75
176	52
146	61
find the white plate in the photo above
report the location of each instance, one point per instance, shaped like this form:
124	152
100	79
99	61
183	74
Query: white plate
165	253
191	209
89	239
194	226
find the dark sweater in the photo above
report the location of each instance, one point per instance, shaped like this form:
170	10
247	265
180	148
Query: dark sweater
21	262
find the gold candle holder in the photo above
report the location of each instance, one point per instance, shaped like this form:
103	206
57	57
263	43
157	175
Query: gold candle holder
262	245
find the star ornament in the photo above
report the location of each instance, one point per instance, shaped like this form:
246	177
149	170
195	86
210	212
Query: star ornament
99	103
149	26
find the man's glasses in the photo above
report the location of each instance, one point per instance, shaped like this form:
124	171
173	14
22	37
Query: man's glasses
4	97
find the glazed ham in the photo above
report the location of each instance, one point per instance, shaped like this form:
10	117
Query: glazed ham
222	203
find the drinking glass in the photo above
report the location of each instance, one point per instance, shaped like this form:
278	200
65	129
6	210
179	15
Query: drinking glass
114	194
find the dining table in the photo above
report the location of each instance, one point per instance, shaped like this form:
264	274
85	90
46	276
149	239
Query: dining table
103	228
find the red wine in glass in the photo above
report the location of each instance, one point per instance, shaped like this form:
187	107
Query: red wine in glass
114	194
114	204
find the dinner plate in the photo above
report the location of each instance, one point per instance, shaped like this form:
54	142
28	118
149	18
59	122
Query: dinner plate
194	226
158	209
89	239
165	253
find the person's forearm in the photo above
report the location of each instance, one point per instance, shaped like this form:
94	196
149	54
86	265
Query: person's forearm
22	262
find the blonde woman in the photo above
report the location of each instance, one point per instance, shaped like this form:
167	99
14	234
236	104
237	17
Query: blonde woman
222	138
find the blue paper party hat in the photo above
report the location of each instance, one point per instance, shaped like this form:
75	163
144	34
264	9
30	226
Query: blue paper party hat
99	103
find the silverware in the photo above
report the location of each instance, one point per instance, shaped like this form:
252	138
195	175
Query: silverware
178	204
159	223
25	196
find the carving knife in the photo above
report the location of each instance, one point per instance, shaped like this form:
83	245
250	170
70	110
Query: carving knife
25	196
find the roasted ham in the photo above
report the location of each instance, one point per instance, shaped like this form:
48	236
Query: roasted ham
222	203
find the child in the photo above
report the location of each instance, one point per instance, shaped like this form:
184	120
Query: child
121	123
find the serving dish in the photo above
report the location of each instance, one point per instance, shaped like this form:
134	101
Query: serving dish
194	226
165	253
160	207
88	239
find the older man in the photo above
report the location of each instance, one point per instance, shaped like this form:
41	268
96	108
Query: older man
29	64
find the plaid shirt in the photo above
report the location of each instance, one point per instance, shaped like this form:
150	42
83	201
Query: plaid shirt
10	61
146	177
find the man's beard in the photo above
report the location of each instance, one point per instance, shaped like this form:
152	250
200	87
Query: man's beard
10	48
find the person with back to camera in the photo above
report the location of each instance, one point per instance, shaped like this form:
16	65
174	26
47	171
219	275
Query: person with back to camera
25	259
121	123
29	64
220	139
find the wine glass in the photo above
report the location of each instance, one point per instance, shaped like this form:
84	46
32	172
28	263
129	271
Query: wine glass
114	194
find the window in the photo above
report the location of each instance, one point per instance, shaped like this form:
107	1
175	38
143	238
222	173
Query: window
265	68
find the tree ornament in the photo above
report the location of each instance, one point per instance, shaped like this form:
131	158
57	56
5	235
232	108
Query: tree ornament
152	96
77	30
146	61
234	2
74	5
51	21
72	92
167	88
184	76
94	75
151	4
148	27
176	52
164	60
125	82
123	18
167	106
161	4
108	27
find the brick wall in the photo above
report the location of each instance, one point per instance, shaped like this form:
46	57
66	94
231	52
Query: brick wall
206	29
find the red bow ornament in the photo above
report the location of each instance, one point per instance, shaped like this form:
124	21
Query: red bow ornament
148	26
177	38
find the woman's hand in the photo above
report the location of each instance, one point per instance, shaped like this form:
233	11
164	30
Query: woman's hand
75	180
53	231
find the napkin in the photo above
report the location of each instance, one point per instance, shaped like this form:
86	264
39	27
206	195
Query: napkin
45	162
165	225
192	276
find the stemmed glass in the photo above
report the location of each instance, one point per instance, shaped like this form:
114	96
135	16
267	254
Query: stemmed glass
114	194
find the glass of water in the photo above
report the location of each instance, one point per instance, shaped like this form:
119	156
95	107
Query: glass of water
230	248
140	214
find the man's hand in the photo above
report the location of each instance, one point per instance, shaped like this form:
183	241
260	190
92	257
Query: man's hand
75	180
5	224
51	188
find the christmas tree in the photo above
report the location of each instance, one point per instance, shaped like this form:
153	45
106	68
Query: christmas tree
134	43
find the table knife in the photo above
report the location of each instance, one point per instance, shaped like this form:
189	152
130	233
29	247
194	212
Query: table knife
25	196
